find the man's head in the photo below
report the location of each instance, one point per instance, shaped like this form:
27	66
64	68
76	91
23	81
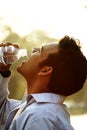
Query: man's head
69	67
61	65
37	76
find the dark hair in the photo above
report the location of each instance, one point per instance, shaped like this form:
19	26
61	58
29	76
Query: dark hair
69	67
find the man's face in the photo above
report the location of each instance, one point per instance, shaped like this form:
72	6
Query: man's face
30	68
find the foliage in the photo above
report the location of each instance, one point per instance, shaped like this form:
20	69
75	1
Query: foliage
37	37
17	84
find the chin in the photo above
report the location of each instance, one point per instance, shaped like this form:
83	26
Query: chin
19	69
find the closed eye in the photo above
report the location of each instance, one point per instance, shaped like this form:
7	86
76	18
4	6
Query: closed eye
40	50
35	50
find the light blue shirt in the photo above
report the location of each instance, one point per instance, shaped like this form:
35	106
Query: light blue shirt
45	111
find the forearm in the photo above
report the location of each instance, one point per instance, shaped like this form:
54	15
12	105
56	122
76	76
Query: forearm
4	92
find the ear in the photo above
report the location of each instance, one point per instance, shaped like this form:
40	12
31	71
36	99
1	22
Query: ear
46	70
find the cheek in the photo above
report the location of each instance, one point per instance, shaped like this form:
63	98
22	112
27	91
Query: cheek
31	65
34	60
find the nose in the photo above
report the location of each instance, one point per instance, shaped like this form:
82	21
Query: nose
35	50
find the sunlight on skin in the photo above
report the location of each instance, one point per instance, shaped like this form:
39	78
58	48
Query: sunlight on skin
57	17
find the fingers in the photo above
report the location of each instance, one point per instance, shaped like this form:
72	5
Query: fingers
8	51
15	45
9	44
5	44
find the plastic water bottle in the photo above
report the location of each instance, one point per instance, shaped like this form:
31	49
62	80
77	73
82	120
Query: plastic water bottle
10	54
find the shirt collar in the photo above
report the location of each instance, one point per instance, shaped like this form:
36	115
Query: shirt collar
48	97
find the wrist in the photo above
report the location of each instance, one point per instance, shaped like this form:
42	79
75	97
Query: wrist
6	73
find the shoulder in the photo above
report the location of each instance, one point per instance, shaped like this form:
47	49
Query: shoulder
45	119
47	112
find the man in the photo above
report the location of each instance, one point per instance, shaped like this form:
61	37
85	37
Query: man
52	72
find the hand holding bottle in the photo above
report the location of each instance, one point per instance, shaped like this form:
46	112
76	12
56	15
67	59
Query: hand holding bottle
9	53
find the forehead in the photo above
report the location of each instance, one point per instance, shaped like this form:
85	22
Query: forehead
50	47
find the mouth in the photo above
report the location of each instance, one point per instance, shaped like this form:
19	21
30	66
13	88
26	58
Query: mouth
23	62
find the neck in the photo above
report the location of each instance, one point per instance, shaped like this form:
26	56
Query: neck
37	86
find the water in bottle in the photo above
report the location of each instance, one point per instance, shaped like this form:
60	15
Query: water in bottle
10	54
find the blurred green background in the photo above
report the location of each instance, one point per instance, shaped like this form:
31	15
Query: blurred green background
17	85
